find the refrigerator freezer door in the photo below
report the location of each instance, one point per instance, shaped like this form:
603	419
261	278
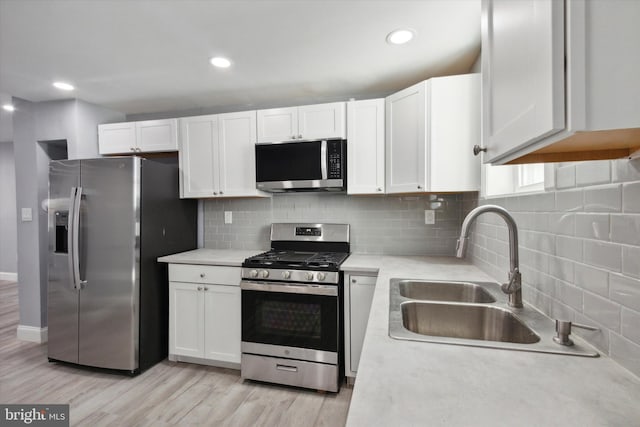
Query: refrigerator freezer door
62	297
109	259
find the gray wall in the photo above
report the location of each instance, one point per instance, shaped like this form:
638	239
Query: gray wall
8	235
75	121
579	251
392	225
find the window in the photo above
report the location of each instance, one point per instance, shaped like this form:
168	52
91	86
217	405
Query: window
503	180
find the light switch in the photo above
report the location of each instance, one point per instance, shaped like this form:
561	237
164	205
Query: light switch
429	216
26	214
228	217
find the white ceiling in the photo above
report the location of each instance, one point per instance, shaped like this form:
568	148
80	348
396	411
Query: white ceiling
145	56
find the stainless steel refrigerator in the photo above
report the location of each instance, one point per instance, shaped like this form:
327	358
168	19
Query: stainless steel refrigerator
109	220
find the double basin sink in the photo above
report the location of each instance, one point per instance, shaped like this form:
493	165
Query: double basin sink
471	314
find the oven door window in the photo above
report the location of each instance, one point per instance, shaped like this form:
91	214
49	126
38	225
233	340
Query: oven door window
297	161
293	320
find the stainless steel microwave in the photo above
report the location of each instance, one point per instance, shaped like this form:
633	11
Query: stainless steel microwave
302	166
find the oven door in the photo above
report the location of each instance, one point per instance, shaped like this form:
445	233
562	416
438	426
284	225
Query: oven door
290	320
300	165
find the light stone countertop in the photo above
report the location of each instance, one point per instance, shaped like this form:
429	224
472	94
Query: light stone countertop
405	383
204	256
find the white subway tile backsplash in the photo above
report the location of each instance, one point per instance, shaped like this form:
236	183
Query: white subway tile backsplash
566	176
630	322
631	197
569	295
592	279
593	226
593	172
625	170
601	254
605	198
625	352
625	290
631	261
571	200
561	268
569	247
625	229
603	311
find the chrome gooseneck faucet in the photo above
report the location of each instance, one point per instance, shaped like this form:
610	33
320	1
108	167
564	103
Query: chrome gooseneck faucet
513	287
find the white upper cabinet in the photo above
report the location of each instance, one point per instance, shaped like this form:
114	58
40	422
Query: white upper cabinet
237	165
198	154
217	155
302	123
559	80
138	137
365	147
431	128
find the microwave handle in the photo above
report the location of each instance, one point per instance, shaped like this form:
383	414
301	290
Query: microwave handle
323	159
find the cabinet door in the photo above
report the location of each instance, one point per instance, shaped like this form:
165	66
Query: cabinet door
522	73
277	124
186	319
199	156
454	117
222	323
322	121
157	135
406	140
361	290
237	165
365	147
117	138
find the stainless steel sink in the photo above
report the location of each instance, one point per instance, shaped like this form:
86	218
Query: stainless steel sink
475	322
428	311
444	291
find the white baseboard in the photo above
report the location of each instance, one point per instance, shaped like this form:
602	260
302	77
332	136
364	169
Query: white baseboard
32	334
9	276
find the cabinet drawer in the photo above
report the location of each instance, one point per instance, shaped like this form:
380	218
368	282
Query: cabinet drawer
212	274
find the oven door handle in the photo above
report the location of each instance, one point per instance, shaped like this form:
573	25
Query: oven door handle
289	288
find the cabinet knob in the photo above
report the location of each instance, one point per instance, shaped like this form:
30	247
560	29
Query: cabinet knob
379	189
477	149
132	149
293	137
215	194
202	275
221	192
299	136
199	288
206	289
419	187
354	281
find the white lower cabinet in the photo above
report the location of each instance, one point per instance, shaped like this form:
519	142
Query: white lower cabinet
204	314
357	304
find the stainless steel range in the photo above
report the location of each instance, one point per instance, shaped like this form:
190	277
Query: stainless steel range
292	316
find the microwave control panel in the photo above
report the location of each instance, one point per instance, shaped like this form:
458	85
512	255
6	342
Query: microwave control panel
335	159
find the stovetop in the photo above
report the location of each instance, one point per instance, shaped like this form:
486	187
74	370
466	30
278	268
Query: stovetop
275	258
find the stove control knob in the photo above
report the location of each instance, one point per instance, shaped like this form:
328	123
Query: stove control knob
321	276
253	273
264	274
286	274
308	276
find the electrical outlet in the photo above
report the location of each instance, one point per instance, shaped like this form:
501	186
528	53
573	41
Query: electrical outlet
26	214
429	217
228	217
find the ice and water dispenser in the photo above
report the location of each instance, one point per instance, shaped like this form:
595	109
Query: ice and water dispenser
62	225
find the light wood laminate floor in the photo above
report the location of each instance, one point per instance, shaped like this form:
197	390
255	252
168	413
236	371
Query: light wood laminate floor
167	394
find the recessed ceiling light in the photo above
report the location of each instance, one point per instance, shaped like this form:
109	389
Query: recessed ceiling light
401	36
220	62
8	107
63	86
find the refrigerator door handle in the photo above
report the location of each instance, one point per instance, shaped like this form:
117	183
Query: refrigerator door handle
79	284
70	239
